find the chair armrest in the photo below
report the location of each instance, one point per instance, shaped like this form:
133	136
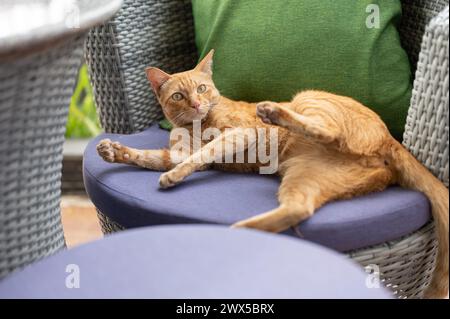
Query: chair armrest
143	33
426	131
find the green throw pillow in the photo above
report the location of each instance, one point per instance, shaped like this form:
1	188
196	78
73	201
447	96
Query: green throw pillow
269	50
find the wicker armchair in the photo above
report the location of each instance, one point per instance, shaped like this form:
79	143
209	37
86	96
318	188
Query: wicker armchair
150	32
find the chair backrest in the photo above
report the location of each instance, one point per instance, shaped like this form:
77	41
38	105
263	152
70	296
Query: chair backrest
416	15
143	33
161	33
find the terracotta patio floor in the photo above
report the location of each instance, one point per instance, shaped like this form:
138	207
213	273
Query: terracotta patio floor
79	220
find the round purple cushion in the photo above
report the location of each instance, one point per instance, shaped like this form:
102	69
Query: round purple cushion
193	262
131	197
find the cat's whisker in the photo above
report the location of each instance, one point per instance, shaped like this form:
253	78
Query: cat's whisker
176	118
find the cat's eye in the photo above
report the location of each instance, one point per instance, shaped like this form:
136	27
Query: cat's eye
201	88
177	96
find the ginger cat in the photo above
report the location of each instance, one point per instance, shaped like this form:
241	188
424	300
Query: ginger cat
330	147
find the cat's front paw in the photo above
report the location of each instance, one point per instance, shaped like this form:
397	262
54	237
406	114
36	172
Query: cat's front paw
170	179
268	112
110	151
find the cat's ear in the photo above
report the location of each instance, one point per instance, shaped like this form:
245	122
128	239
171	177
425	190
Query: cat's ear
157	78
206	64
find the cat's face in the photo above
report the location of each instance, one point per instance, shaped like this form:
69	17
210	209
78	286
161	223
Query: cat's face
187	96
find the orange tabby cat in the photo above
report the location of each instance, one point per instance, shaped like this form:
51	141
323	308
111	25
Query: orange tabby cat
330	147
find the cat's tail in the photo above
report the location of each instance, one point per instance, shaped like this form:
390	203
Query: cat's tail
411	174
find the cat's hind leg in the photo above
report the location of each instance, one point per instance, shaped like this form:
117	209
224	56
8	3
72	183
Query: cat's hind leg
298	200
281	115
308	185
114	152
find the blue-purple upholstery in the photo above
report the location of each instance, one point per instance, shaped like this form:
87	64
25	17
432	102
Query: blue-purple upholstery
193	262
131	197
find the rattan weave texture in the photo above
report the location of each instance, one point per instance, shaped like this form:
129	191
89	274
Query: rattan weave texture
143	33
35	92
426	131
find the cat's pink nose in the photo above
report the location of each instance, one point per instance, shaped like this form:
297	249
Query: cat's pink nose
195	105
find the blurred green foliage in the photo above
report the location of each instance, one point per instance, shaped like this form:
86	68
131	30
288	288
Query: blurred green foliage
83	121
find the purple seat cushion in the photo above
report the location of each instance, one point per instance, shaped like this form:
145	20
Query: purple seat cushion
193	262
131	197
